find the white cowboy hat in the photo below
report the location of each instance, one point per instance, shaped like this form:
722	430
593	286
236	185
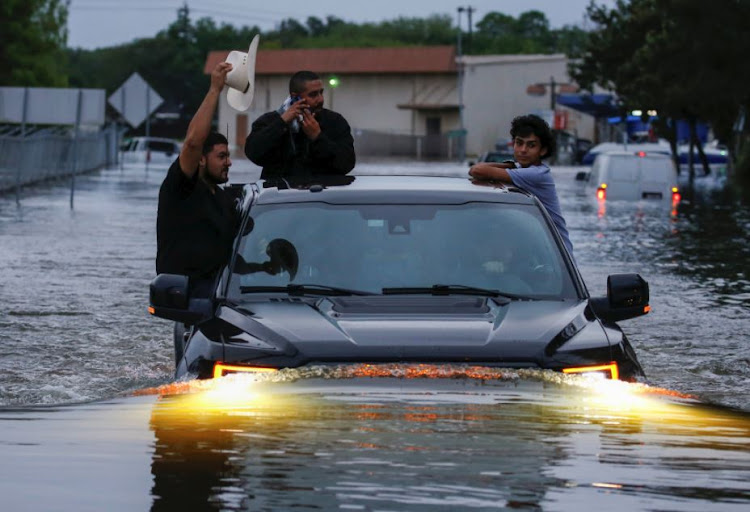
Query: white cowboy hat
241	80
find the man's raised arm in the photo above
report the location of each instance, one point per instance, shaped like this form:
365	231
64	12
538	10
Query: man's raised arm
200	125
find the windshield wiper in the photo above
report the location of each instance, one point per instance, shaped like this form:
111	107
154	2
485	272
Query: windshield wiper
304	289
452	289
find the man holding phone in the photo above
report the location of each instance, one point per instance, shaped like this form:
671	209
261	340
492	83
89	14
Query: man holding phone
301	138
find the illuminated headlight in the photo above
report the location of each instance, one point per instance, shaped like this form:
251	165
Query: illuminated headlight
221	369
608	371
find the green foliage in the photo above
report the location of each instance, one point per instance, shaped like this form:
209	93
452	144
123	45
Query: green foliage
34	34
172	62
334	32
684	58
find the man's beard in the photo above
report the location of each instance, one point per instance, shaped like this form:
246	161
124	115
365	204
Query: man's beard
217	180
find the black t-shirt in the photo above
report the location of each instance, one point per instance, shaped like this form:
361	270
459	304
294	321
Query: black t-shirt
195	228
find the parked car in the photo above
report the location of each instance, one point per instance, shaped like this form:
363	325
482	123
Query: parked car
151	150
495	156
582	147
410	269
634	176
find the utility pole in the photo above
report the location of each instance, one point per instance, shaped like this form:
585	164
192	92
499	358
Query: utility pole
552	99
469	10
461	150
540	89
461	139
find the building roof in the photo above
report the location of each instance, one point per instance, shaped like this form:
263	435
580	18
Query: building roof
408	59
486	60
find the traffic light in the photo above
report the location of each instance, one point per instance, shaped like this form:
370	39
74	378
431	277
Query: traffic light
333	82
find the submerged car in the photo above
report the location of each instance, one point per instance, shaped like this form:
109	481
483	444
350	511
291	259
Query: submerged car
498	156
399	269
150	150
634	176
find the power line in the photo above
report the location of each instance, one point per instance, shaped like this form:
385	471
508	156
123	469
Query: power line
211	13
235	9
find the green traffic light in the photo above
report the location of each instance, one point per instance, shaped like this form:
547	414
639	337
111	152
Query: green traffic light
333	81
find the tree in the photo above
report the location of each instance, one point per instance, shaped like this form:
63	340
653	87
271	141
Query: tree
501	33
34	34
315	26
533	25
290	31
668	55
497	24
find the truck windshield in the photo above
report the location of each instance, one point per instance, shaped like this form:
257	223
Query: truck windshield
504	247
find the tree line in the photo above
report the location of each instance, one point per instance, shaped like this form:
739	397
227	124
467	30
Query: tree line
172	61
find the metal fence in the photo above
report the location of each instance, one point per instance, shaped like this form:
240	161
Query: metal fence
432	147
41	154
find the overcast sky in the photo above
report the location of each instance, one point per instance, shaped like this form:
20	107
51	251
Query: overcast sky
101	23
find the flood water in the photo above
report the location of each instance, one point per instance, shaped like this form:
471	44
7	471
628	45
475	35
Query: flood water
76	344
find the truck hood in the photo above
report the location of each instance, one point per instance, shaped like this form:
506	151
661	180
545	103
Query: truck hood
428	328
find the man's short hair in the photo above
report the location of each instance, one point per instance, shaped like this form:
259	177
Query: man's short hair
299	79
213	139
534	125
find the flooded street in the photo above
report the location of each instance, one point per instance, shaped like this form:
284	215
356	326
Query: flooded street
506	442
75	337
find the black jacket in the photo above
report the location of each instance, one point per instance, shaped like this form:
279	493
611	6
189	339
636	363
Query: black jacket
272	145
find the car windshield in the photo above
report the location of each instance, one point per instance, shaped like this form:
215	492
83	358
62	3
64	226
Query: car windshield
366	248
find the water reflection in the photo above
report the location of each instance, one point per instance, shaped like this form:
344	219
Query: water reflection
538	442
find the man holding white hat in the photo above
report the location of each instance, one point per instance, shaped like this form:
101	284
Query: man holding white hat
197	220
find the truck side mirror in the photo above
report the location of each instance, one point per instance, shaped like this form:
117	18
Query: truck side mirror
169	297
627	297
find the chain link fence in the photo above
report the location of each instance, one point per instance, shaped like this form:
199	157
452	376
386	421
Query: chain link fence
45	153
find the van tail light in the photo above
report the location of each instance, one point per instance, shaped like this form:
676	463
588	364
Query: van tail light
601	192
641	154
676	197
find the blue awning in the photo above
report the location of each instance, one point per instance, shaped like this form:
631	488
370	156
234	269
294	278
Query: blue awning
597	105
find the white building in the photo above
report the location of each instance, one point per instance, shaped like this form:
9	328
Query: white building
497	88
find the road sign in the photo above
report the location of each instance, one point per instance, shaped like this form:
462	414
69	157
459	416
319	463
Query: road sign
42	105
135	100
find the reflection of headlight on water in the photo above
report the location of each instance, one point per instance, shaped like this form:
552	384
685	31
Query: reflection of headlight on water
612	402
231	393
591	396
228	393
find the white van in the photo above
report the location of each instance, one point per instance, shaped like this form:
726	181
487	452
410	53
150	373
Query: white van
634	176
150	150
